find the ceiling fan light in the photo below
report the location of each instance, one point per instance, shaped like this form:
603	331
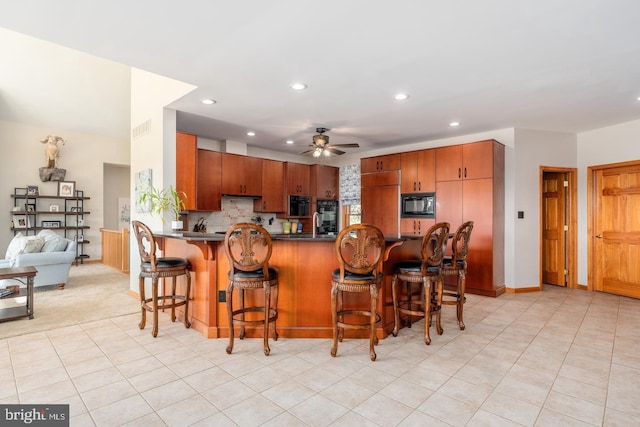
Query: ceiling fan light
326	153
321	140
317	152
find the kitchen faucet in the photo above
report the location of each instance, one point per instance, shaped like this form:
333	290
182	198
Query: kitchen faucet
314	223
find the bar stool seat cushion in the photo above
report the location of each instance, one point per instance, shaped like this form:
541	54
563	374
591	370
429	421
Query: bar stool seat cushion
257	274
348	276
448	262
414	267
167	262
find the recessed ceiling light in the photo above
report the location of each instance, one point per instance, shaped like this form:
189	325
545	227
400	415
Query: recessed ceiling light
251	133
454	124
401	96
289	141
208	101
298	86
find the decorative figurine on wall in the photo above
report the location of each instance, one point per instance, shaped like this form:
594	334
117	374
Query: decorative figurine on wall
51	172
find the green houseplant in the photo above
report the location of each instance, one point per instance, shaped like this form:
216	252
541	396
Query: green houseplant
164	200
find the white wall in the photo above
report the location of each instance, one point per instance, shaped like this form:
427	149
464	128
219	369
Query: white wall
116	186
83	157
613	144
532	150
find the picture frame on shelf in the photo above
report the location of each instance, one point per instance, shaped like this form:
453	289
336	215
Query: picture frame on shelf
21	221
54	208
30	207
76	209
66	188
80	222
32	190
79	238
51	224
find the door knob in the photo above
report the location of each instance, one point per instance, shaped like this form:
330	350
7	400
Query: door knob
599	236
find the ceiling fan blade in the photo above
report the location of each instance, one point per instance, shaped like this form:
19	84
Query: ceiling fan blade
347	145
334	150
308	151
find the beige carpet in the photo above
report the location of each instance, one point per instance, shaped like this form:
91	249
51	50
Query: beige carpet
94	292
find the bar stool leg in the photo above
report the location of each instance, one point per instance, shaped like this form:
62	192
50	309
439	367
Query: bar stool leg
187	292
229	295
462	279
154	296
426	303
275	297
267	312
173	298
334	319
242	318
396	315
438	303
143	314
373	337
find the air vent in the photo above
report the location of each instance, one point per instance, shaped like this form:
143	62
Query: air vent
142	129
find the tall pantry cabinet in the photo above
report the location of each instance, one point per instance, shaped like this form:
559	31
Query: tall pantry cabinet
470	187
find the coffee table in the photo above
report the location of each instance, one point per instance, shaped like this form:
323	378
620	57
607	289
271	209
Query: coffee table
21	310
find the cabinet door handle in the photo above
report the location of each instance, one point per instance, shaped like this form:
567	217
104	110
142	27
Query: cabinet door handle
458	172
381	165
419	186
414	186
465	172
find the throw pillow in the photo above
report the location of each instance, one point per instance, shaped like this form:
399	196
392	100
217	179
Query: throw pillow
22	244
53	242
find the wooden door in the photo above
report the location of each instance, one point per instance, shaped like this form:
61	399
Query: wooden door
273	199
298	178
554	229
477	160
449	203
380	163
616	230
324	182
409	168
426	171
449	163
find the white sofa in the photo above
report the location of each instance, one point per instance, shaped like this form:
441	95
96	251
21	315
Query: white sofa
50	253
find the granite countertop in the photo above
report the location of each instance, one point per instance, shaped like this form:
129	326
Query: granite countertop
303	237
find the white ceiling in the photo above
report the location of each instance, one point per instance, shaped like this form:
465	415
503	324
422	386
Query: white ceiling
569	66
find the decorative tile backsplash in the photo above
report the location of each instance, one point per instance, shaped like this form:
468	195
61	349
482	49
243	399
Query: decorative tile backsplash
234	211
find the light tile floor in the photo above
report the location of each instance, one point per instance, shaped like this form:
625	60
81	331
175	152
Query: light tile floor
552	358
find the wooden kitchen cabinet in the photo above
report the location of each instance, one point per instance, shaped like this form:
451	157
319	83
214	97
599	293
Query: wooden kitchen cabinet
478	197
415	226
466	161
209	185
298	178
418	171
273	198
380	201
324	182
380	163
197	174
241	175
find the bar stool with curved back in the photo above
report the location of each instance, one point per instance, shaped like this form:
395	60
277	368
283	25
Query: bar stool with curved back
427	271
456	265
156	268
360	252
248	248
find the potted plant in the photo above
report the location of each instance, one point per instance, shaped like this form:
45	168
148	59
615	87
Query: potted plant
163	200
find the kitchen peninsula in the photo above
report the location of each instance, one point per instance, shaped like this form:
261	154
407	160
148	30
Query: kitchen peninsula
305	264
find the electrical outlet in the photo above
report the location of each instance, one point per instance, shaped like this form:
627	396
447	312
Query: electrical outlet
222	296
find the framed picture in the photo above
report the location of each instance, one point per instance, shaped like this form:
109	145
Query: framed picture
30	207
79	238
142	184
20	221
66	188
76	209
51	224
54	208
32	190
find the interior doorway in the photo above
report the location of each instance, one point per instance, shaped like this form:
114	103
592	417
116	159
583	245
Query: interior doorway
613	246
558	226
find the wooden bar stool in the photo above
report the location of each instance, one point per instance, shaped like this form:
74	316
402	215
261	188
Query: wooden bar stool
156	268
248	248
360	251
426	271
456	265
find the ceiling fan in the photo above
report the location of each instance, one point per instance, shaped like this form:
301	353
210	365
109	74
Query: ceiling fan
321	145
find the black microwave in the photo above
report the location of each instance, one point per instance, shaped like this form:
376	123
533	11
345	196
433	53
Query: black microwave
418	205
299	206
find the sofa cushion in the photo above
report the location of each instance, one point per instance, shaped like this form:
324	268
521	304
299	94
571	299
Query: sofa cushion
53	242
22	244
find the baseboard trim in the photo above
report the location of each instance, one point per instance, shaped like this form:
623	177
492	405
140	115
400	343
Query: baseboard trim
523	290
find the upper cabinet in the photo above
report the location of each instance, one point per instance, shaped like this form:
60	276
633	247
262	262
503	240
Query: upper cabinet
241	175
380	163
298	177
209	185
418	171
467	161
272	187
324	182
197	174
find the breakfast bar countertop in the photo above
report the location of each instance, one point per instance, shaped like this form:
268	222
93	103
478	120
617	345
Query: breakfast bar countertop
305	236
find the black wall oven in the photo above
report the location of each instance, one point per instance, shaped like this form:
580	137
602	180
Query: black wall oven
418	205
299	206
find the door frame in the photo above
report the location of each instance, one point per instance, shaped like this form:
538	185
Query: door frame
572	215
592	208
